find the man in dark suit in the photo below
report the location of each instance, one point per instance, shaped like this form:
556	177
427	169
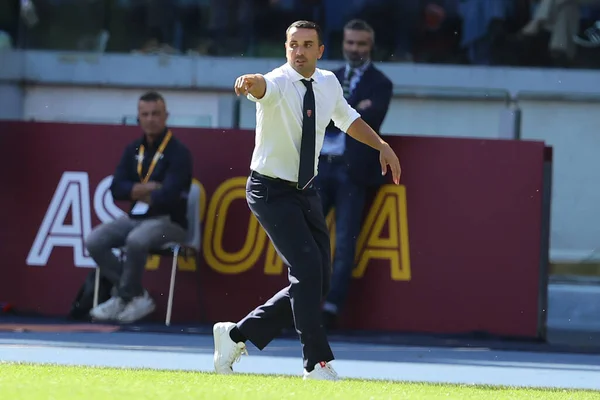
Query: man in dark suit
348	168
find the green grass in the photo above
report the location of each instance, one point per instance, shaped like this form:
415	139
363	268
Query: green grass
37	382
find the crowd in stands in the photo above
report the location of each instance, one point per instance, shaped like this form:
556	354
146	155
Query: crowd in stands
537	33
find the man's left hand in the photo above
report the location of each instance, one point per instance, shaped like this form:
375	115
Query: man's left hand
388	157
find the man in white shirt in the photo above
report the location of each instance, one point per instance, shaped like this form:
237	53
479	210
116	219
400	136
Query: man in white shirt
294	105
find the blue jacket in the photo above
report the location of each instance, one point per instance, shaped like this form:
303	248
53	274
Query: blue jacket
173	171
362	160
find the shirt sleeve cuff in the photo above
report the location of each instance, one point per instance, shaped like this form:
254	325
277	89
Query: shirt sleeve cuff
346	122
268	92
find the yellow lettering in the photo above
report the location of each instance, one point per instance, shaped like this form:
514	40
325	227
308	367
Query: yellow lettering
187	263
183	263
388	208
330	220
152	262
216	257
388	213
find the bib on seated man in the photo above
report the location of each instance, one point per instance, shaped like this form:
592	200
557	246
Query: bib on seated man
154	174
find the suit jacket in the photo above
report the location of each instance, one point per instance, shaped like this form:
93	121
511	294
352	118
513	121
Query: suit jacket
362	160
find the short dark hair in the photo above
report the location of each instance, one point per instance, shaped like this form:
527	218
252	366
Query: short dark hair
359	25
152	96
306	25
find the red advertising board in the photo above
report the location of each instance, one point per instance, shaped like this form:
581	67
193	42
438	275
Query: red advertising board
455	248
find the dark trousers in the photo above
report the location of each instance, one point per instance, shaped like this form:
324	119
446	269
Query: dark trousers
337	190
294	222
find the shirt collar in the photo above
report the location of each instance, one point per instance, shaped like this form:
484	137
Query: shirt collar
359	70
296	77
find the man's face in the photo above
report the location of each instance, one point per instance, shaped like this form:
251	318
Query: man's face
303	50
357	46
153	117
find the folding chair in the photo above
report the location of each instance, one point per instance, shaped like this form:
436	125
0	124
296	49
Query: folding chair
191	244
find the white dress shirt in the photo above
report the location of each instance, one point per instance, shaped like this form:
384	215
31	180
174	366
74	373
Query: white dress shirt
279	119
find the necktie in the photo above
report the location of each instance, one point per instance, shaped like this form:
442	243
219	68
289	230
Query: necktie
306	171
347	82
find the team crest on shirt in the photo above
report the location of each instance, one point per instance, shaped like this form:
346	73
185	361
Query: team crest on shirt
309	113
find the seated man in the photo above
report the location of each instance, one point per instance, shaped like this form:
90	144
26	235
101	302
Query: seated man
155	174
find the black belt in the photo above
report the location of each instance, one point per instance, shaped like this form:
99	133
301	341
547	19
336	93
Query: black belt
270	178
279	180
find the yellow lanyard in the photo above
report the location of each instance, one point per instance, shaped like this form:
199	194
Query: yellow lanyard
155	159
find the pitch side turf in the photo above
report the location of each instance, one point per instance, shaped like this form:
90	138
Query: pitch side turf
37	382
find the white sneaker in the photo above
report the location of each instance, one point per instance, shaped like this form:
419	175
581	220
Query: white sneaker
227	351
137	308
109	310
323	371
